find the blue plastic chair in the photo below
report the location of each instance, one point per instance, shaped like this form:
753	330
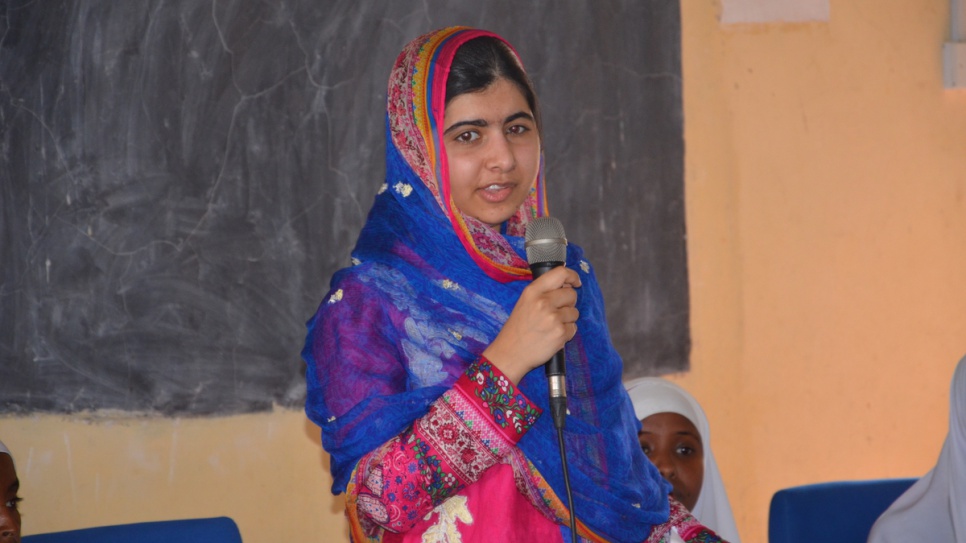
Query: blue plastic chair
202	530
834	512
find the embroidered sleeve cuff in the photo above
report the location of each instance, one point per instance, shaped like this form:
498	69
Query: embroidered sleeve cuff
495	401
473	426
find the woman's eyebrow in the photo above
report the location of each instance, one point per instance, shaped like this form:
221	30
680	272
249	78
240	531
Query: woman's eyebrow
519	115
474	122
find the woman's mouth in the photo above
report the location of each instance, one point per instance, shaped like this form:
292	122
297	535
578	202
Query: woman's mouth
496	192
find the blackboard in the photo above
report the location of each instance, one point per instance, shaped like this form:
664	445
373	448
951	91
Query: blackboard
179	179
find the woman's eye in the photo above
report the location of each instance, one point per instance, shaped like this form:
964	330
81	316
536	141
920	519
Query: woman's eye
646	449
467	137
685	451
518	129
12	504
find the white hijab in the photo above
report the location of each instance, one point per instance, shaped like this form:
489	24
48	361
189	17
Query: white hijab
934	508
651	395
6	451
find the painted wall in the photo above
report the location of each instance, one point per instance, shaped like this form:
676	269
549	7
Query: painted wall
826	172
268	472
825	179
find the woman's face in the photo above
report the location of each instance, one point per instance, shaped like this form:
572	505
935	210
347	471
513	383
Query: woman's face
674	445
493	150
9	513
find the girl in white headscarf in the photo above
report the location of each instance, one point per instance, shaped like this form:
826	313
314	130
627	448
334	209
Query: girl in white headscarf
654	396
934	508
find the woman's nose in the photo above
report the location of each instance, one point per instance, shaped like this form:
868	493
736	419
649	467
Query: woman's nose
501	154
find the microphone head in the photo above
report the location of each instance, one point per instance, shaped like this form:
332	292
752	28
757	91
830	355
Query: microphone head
545	241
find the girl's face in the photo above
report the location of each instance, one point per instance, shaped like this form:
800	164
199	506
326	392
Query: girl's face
674	445
9	513
493	150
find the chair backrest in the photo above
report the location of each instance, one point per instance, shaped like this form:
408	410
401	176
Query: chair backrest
834	512
201	530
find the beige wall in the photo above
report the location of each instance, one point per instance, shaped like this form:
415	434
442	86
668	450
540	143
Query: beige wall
825	178
826	172
268	472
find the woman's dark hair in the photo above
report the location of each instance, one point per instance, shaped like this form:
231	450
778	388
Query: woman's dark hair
479	62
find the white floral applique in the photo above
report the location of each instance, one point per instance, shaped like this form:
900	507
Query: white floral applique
336	296
445	529
355	261
403	188
383	188
449	285
584	265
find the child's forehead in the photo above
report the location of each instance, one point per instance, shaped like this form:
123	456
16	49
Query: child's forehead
7	472
668	422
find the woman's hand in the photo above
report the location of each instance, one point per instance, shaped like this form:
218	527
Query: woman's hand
543	319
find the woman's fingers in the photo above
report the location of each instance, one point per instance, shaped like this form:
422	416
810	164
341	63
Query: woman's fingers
559	315
560	276
568	315
568	319
542	321
562	297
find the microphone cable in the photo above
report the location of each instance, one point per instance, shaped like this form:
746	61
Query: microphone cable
546	246
566	478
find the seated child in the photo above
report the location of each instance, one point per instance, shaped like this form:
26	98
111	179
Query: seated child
675	436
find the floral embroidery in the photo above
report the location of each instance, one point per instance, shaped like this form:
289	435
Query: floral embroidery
336	296
535	489
445	529
584	265
356	261
449	285
431	469
688	527
371	507
492	247
699	535
403	188
507	406
446	449
449	429
383	188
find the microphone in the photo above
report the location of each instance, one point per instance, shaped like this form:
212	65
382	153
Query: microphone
546	246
